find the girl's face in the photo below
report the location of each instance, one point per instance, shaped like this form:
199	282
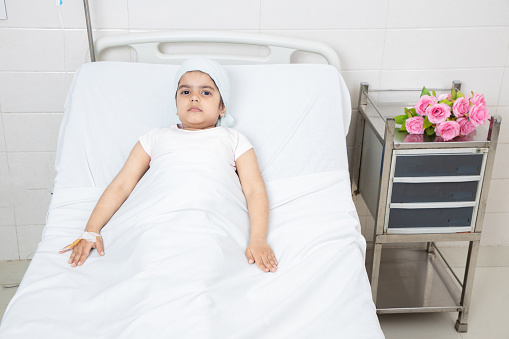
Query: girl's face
198	101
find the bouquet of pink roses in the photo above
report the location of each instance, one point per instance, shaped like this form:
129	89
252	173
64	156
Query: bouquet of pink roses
447	115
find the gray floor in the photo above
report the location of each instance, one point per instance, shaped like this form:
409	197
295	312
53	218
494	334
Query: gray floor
489	312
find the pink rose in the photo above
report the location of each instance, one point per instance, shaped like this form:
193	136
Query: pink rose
448	130
461	107
414	125
478	115
438	113
478	100
466	126
423	103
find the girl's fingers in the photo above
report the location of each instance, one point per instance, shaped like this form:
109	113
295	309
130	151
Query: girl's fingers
71	258
99	246
274	257
66	248
73	254
79	250
266	264
83	257
72	245
259	263
250	256
271	263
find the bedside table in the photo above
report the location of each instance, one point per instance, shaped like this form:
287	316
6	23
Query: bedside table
420	191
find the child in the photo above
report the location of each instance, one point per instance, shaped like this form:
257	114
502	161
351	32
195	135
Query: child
201	100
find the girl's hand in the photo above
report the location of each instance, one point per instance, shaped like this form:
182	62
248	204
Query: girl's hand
260	252
81	251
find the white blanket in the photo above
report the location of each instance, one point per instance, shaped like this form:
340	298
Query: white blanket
175	264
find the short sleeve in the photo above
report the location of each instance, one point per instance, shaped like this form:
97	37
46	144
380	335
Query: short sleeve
148	140
242	146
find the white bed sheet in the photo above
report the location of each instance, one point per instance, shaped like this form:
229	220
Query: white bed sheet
175	265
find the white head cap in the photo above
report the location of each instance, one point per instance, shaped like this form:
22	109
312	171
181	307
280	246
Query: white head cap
217	74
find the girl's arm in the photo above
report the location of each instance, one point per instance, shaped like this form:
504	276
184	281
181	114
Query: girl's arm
258	207
119	189
110	201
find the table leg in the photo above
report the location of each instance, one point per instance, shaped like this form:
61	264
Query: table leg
468	282
375	269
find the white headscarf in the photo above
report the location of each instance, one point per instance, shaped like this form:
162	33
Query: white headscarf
216	73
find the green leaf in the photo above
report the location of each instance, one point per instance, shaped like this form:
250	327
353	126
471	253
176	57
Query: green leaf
430	130
413	111
459	95
425	91
454	94
403	128
426	123
400	119
434	93
445	101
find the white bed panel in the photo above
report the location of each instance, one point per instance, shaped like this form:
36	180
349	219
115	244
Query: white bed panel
296	117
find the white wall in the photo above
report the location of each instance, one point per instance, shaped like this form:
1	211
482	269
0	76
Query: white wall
388	43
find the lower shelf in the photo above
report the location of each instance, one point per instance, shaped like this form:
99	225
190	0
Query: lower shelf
412	281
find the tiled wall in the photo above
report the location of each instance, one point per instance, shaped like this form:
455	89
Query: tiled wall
388	43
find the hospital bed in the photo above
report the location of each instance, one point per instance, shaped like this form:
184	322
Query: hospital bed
174	270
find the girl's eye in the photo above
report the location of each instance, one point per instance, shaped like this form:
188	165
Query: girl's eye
184	92
206	93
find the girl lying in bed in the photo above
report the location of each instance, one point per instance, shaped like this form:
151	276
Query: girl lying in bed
201	99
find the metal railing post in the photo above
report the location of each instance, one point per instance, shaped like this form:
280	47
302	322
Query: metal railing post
89	31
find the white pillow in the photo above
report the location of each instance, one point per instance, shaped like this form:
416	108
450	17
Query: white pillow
296	116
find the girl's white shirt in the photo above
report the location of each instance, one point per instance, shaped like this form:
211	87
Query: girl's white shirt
222	141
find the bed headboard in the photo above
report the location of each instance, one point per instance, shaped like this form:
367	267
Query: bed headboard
147	46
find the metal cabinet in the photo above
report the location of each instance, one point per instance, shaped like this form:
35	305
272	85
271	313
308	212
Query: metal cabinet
420	190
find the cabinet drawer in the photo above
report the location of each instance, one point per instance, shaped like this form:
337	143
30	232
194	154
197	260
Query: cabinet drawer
430	217
434	192
438	165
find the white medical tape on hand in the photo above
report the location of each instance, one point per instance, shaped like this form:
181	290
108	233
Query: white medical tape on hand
89	236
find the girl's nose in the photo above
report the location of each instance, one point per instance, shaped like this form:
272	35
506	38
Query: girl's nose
194	98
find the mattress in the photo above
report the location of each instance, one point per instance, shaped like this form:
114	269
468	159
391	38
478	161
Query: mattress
174	264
